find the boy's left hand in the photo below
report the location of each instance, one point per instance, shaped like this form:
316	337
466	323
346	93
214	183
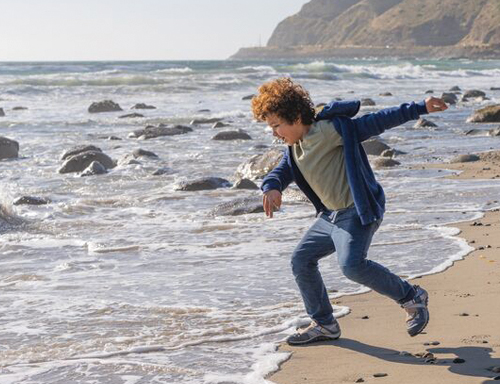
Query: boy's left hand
434	104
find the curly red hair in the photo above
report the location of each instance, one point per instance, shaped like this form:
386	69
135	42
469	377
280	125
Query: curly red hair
284	98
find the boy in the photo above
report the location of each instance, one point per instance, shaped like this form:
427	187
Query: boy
326	160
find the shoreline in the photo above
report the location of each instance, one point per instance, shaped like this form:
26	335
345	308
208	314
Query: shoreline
464	321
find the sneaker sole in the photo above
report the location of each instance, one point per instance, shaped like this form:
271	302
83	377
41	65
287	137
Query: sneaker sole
427	321
314	339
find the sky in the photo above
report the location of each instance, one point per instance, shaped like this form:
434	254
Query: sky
52	30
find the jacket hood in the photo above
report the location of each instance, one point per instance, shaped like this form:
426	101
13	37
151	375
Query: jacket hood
347	108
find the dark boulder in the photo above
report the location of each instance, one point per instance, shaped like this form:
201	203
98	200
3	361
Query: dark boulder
384	162
241	206
374	147
79	149
455	88
423	123
247	97
449	98
19	108
429	91
232	135
245	184
2	113
151	132
30	200
202	184
385	94
104	106
367	102
219	124
8	148
142	152
472	94
489	114
81	161
143	106
130	116
95	168
465	159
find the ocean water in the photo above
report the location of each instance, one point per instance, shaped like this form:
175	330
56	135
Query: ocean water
122	279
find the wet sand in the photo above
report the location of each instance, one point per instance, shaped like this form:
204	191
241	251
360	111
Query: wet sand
464	304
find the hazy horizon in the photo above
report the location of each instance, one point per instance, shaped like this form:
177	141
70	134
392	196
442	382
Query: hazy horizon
153	30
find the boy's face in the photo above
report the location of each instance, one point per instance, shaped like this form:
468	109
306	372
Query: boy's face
289	133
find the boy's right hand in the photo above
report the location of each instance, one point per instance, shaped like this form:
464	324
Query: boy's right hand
271	200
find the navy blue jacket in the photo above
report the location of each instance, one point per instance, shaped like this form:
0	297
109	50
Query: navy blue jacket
367	193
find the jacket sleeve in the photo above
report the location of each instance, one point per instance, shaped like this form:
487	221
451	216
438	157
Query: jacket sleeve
373	124
280	177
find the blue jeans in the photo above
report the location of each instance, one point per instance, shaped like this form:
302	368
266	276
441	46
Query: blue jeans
342	232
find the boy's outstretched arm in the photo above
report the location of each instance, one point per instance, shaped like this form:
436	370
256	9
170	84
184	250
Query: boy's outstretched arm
373	124
274	183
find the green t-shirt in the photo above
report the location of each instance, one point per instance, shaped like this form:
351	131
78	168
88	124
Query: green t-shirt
320	158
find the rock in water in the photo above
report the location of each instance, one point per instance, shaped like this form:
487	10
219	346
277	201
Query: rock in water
81	161
489	114
248	97
385	94
19	108
95	168
232	135
374	147
219	124
238	207
202	184
104	106
259	165
205	121
384	162
30	200
163	171
151	132
449	98
245	184
421	123
455	88
367	102
472	94
143	106
79	149
465	159
2	113
8	148
130	116
142	152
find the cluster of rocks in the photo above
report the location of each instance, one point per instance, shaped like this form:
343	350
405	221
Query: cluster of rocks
18	108
111	106
87	159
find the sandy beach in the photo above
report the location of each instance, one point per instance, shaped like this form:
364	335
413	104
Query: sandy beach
461	344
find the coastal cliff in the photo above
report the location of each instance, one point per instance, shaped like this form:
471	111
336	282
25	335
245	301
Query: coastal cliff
422	28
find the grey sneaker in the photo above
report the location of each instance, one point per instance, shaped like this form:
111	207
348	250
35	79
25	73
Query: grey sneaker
315	332
417	313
